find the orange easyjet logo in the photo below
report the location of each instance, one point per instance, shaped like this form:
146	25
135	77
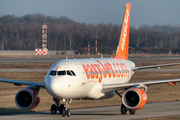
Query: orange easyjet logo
126	20
100	70
58	67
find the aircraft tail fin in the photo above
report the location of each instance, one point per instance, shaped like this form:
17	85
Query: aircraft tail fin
122	49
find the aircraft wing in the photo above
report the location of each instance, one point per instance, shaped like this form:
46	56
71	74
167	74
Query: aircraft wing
154	66
18	82
114	87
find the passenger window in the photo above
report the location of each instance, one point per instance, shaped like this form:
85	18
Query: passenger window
73	73
68	73
53	73
61	72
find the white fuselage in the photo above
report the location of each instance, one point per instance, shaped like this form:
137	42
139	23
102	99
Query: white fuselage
83	78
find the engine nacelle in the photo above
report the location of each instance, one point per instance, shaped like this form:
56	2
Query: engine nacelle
134	98
27	99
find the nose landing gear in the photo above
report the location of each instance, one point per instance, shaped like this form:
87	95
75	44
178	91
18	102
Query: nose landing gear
63	109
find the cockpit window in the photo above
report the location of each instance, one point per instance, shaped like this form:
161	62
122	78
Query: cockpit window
64	72
73	73
53	73
68	73
61	72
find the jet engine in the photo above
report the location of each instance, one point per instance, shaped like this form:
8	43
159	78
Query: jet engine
27	99
134	98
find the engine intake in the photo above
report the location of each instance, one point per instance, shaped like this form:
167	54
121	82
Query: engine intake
27	99
134	98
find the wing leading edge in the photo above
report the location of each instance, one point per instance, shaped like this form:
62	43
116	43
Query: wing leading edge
114	87
154	66
18	82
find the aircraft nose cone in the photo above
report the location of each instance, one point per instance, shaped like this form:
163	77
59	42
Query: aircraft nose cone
54	87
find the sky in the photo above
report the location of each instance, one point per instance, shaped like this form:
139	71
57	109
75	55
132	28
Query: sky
143	12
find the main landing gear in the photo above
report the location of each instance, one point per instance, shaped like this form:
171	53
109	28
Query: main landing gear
124	109
63	109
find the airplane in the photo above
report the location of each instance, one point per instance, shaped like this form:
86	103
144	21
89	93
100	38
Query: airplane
91	79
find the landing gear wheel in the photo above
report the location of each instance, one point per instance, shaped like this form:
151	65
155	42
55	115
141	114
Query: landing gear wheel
68	113
132	112
63	112
61	108
53	109
123	109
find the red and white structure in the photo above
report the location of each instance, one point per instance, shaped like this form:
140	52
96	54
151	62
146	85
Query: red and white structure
88	48
41	51
96	44
44	36
44	50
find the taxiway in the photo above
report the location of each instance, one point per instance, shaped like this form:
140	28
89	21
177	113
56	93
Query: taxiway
150	110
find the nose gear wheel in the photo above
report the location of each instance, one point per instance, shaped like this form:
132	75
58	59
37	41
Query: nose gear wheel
63	108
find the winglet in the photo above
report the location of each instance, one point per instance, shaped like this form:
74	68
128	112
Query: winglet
122	49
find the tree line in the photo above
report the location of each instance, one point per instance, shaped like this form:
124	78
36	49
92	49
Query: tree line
25	33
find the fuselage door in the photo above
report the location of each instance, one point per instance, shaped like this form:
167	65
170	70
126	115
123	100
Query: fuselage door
83	74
